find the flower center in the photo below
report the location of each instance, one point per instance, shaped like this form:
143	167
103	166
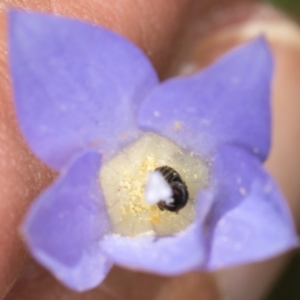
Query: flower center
125	184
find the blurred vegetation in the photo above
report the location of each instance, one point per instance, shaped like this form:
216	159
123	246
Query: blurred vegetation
290	6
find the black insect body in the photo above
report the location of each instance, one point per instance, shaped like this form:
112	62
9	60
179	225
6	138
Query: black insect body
180	194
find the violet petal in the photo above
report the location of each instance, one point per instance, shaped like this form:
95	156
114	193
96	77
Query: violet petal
75	85
65	224
249	219
168	255
226	103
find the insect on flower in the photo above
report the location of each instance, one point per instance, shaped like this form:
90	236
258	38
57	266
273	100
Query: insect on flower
180	194
90	105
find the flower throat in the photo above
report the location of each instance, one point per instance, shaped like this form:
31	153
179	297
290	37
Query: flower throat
124	179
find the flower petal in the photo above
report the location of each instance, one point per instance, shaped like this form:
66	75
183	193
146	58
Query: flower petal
169	255
65	224
226	103
75	85
249	219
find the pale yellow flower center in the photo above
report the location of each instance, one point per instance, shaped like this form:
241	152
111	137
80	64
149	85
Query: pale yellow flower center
123	180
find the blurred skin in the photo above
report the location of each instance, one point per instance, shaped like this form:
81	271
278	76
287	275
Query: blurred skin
199	33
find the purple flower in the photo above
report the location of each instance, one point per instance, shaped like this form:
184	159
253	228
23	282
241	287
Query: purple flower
90	105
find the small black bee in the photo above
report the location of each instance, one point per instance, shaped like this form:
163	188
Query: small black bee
180	192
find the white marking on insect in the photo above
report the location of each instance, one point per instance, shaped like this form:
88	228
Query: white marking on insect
157	189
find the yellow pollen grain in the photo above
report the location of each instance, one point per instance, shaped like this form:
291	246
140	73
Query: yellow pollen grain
133	187
178	125
155	219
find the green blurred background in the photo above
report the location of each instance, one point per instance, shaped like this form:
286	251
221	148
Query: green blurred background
291	6
288	285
